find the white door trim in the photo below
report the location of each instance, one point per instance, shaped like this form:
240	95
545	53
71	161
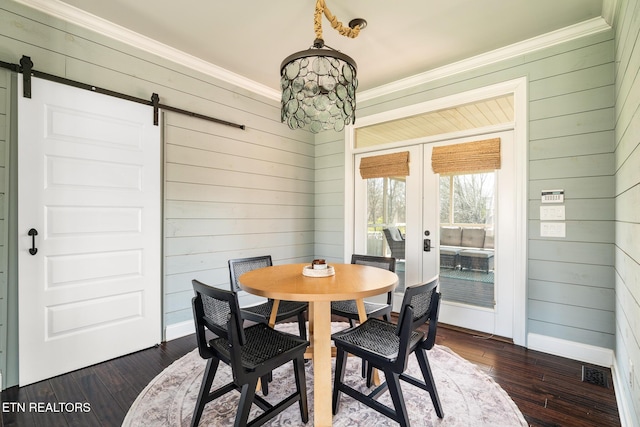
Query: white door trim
518	87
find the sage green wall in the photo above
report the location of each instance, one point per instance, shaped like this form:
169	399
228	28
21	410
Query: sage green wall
571	120
329	210
627	201
228	193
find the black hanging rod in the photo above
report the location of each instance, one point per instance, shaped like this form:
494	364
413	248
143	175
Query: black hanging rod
26	68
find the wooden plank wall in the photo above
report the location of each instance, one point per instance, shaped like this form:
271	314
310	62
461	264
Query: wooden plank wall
229	193
627	207
571	133
231	197
329	192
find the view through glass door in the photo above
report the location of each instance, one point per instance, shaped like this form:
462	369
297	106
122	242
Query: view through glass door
388	213
458	226
474	229
386	220
467	236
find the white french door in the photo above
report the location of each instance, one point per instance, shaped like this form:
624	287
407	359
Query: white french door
89	228
419	221
396	202
471	307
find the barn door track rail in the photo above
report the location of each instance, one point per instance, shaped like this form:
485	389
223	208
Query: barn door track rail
26	68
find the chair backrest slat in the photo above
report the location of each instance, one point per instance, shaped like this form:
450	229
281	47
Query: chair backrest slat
419	305
386	263
420	297
428	343
237	267
217	310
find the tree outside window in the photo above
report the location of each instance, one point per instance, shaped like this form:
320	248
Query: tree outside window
386	206
467	199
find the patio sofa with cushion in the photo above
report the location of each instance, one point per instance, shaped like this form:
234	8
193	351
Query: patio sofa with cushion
395	240
466	247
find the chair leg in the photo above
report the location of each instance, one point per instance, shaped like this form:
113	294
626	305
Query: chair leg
205	389
369	375
301	387
264	384
393	381
352	323
247	394
302	326
338	380
421	355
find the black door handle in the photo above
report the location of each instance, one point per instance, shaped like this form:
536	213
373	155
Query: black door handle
33	233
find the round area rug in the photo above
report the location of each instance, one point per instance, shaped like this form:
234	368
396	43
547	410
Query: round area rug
469	397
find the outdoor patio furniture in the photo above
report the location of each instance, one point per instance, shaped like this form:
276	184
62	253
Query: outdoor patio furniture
466	247
395	240
476	260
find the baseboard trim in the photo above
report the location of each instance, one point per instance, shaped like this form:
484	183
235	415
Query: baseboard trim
622	396
573	350
179	330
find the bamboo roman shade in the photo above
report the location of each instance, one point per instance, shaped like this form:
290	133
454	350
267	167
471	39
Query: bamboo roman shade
386	165
478	156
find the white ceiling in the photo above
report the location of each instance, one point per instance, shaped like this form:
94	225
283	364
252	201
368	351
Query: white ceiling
403	38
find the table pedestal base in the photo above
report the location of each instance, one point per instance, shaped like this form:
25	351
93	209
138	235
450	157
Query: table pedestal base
320	331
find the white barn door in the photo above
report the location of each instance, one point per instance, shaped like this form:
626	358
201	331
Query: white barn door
90	185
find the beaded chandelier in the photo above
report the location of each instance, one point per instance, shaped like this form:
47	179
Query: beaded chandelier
319	84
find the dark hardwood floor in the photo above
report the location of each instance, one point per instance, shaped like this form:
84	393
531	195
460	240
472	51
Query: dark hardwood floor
547	389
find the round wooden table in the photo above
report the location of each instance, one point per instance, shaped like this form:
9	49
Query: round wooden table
351	281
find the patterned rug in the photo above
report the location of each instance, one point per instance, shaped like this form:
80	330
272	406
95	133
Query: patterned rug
469	397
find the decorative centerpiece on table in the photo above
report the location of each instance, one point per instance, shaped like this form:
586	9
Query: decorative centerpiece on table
318	268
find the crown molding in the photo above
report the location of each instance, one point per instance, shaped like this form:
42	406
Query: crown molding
106	28
76	16
572	32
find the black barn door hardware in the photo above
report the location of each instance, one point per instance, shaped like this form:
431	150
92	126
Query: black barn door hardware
26	68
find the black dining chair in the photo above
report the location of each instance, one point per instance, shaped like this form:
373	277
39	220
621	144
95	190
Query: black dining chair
252	354
348	308
387	347
262	312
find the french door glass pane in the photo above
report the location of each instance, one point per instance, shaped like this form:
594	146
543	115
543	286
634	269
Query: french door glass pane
386	221
467	253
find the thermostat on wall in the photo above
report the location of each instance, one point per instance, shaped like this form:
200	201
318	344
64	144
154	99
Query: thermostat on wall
552	196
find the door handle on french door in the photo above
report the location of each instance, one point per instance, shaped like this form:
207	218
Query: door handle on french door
427	242
33	233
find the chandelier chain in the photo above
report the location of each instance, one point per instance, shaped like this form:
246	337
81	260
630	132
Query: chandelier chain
321	8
